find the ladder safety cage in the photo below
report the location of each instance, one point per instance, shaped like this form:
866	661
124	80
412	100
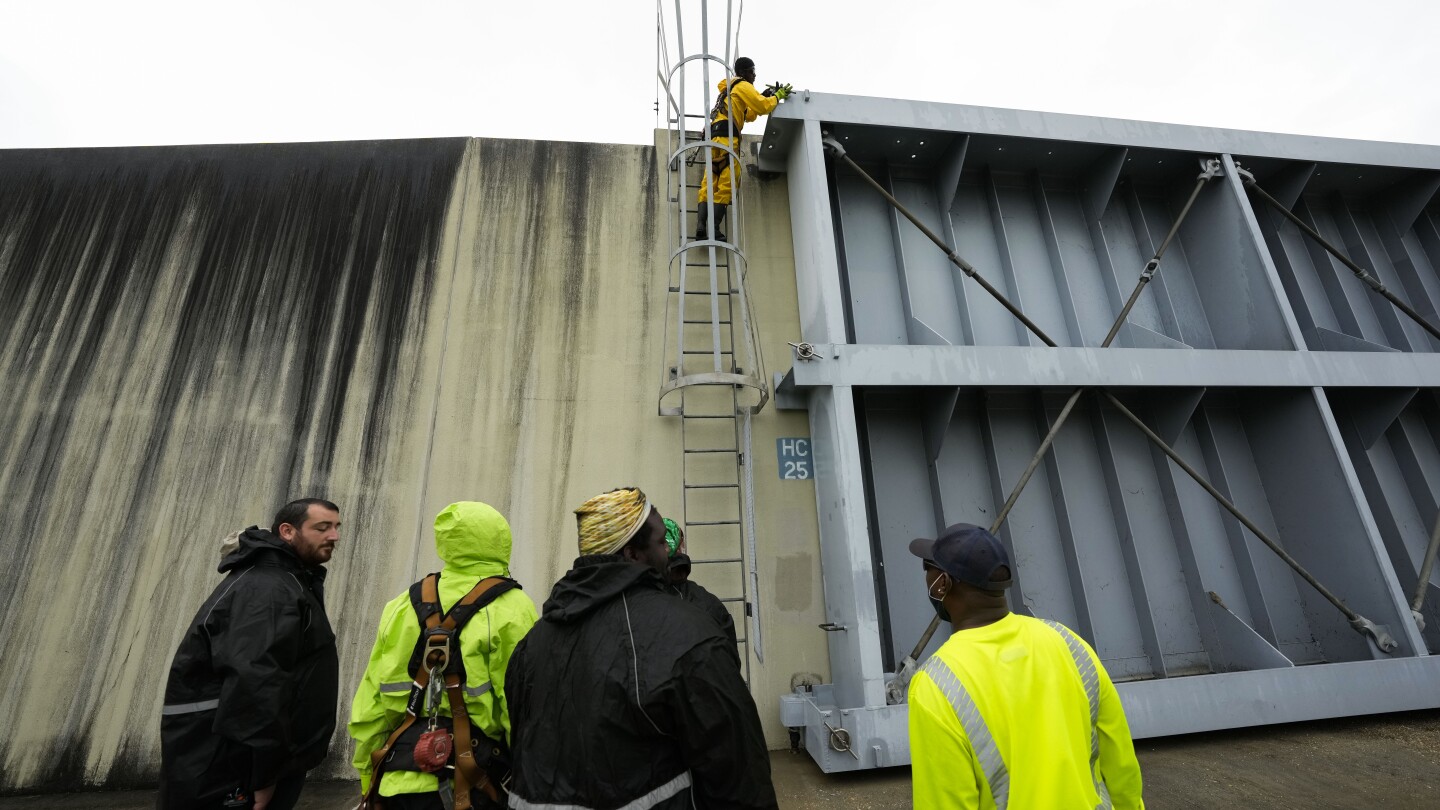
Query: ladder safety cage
712	372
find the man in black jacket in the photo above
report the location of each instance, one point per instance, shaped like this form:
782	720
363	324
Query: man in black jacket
697	595
250	703
624	695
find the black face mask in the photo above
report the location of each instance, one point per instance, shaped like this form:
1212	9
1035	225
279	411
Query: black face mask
938	604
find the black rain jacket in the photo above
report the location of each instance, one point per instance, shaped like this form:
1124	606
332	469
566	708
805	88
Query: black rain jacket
697	595
624	696
253	687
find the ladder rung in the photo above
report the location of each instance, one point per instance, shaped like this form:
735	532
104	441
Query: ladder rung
713	523
700	292
733	599
714	450
708	321
705	351
710	486
707	416
717	560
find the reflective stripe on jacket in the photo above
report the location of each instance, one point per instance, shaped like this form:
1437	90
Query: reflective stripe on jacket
1019	714
474	543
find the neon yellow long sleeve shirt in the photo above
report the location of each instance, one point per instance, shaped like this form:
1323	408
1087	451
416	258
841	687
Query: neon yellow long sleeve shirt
1002	716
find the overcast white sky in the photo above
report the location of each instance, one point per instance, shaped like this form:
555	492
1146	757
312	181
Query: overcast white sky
158	72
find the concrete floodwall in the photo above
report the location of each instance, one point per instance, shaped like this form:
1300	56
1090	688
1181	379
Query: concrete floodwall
191	335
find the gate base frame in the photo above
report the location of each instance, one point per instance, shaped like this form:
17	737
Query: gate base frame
879	735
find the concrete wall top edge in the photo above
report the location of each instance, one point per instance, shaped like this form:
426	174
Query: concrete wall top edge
867	110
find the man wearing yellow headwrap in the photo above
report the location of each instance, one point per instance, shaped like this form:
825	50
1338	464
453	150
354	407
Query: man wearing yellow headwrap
618	671
607	522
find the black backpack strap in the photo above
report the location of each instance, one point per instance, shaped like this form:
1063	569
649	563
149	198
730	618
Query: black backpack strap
423	611
422	608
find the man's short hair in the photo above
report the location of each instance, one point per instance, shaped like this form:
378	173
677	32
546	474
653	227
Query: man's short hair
743	64
295	511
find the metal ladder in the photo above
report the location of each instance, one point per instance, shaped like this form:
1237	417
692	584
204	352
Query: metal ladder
713	458
713	377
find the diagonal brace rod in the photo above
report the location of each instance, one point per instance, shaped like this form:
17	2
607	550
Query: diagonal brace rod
1422	581
955	258
1212	170
1361	273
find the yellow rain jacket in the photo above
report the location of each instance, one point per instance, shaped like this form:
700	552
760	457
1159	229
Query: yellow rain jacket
1019	714
743	103
473	540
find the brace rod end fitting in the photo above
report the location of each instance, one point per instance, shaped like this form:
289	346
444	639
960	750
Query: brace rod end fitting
832	145
1244	175
1211	168
805	351
1381	638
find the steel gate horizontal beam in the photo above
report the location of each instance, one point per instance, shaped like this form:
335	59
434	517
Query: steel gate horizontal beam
1030	367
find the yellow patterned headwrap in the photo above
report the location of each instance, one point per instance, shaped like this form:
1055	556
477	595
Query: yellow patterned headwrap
607	522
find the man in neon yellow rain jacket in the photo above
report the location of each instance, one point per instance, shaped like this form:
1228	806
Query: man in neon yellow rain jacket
473	540
739	103
1010	712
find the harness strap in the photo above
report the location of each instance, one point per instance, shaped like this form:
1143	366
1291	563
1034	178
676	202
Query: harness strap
467	772
727	110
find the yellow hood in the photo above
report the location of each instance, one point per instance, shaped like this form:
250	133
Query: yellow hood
472	538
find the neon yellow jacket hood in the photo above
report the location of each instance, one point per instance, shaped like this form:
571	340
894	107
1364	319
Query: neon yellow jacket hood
473	539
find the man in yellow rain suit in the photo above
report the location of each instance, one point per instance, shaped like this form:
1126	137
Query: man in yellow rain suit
1010	711
739	103
473	541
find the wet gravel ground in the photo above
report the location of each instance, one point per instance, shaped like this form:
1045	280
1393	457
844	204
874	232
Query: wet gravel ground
1389	761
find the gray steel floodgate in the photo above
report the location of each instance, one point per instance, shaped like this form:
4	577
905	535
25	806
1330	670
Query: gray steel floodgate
1302	397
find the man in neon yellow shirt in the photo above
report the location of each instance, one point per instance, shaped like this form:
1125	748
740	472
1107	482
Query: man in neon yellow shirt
1010	711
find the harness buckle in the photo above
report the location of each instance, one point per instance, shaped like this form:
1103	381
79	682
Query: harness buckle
437	648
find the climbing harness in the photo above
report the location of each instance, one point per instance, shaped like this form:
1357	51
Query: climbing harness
437	666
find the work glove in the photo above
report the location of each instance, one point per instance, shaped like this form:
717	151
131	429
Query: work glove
779	91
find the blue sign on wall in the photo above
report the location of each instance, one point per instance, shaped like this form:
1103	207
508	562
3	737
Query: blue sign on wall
794	457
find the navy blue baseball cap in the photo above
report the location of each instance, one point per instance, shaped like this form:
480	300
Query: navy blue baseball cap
969	554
